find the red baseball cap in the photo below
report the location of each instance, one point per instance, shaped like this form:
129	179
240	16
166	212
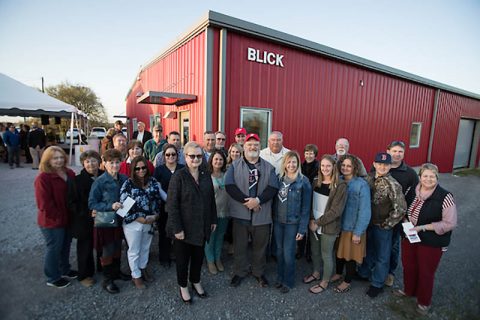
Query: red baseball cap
252	136
240	131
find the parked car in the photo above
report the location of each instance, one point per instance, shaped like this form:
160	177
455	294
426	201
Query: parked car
98	132
75	135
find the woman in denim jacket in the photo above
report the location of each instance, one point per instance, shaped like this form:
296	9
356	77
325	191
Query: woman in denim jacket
291	210
355	220
105	196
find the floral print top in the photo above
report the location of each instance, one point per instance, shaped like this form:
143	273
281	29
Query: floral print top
148	200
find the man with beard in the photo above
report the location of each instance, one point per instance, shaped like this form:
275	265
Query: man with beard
251	184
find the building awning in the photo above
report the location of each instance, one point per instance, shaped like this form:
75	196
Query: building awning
167	98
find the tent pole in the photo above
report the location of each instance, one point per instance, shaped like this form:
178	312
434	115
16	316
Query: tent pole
71	139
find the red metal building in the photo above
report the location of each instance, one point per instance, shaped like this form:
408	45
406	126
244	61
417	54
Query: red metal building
226	73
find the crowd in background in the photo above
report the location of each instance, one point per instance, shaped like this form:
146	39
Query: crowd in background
347	221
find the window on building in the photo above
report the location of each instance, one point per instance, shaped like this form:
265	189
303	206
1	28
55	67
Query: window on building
258	121
134	124
415	133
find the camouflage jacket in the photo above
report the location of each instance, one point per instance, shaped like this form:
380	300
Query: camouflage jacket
388	202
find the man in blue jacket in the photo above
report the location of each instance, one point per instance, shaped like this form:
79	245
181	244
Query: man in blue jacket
12	140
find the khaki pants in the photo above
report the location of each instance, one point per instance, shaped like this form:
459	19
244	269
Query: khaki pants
36	154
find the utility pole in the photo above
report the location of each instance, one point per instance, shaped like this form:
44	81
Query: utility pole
43	87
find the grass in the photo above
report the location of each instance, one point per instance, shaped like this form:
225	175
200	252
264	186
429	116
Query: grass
468	172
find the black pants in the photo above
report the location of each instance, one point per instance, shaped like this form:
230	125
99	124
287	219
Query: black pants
164	242
28	156
188	255
86	265
350	266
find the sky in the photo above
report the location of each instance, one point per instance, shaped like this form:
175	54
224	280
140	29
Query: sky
102	44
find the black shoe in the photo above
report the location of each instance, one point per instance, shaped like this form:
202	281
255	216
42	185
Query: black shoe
110	286
201	295
262	281
60	283
122	276
278	285
236	280
189	301
373	292
357	277
71	275
284	289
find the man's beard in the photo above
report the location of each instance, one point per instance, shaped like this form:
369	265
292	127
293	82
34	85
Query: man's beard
341	152
252	154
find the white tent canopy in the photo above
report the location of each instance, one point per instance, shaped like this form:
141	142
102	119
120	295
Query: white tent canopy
17	99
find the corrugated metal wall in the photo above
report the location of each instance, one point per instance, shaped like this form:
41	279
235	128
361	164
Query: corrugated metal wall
316	100
451	107
182	71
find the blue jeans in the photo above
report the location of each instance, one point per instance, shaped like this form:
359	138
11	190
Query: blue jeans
395	254
58	241
376	264
286	246
213	248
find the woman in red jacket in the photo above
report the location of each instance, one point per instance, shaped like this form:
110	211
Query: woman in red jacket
134	149
51	195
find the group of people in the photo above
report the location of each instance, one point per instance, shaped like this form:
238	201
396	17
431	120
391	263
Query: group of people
347	221
31	141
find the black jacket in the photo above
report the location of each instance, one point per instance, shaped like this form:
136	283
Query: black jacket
191	207
147	135
81	222
37	137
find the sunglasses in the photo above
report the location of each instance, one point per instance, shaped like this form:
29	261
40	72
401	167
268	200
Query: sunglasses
397	143
140	168
223	139
170	154
193	156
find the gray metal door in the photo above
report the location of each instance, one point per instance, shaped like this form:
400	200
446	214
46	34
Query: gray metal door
464	143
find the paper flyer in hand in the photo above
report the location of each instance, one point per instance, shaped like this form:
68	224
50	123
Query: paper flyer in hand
127	205
412	235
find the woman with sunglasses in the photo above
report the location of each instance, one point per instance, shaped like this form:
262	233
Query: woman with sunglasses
134	149
137	224
163	173
192	216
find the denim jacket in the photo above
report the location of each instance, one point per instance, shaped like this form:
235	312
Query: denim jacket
357	212
298	203
105	192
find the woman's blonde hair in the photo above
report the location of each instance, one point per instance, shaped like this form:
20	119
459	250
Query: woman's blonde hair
335	178
48	155
288	156
428	166
236	146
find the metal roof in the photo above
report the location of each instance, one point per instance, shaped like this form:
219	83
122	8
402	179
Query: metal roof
215	19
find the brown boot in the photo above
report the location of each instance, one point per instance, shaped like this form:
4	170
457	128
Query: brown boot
147	276
138	282
219	265
212	268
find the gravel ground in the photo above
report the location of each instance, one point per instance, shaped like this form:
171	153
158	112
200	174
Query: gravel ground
24	295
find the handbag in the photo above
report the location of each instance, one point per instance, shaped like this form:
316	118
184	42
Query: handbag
106	219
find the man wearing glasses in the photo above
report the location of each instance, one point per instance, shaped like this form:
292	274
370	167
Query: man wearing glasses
220	139
251	184
173	138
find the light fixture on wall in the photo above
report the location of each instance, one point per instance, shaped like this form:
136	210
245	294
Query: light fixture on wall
362	83
139	94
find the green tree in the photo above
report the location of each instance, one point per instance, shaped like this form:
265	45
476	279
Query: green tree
81	97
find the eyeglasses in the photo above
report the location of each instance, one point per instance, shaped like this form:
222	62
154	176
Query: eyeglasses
193	156
223	139
170	154
140	168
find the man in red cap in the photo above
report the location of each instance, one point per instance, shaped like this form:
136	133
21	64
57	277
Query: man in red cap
251	184
240	134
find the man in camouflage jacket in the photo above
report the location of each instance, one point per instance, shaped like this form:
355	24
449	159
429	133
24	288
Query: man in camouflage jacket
388	209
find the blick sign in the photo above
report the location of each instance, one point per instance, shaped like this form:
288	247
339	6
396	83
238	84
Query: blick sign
265	57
